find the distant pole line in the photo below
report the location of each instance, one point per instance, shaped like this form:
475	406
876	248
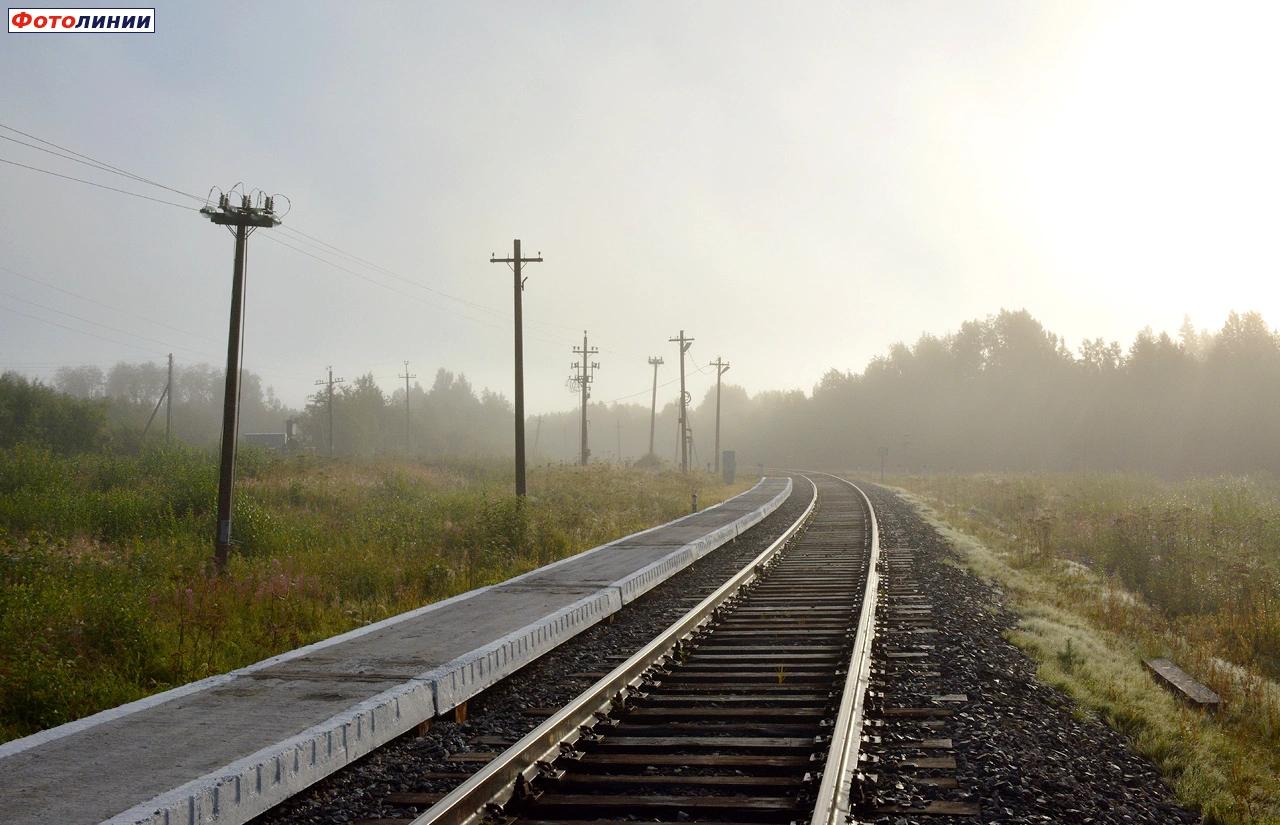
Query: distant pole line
655	360
684	344
407	440
516	262
243	220
585	376
722	366
330	381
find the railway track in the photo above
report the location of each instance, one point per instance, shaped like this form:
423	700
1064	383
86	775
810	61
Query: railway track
748	709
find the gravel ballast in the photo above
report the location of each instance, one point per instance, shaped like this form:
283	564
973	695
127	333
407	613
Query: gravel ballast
1022	754
500	715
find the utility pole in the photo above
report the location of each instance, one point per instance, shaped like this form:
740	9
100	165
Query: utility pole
684	343
163	395
516	262
330	382
653	404
242	220
619	424
406	377
168	401
884	452
585	376
722	366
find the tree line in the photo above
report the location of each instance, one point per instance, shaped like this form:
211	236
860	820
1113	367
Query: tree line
1000	393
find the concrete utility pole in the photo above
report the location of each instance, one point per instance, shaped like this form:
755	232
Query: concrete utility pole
585	376
653	405
168	401
516	262
722	366
406	377
684	343
330	381
242	220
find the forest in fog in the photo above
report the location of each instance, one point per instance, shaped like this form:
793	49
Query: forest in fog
1001	393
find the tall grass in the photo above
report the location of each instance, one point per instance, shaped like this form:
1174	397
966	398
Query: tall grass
106	588
1139	567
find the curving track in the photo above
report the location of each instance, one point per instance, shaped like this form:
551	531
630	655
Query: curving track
746	710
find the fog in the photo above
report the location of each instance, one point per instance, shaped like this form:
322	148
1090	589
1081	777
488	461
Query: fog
798	187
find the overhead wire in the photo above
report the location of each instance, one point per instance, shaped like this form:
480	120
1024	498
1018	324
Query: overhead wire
98	185
105	305
80	157
294	234
107	327
103	164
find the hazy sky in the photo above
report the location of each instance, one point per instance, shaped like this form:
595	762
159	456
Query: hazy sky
796	185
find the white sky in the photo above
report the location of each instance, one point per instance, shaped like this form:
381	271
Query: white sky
796	185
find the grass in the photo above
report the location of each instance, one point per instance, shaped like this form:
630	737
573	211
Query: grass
1108	570
107	593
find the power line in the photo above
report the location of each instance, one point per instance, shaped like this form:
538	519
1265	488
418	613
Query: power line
104	305
80	157
107	327
75	329
106	167
98	185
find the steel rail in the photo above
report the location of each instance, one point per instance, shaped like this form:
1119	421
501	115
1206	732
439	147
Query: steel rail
833	805
510	773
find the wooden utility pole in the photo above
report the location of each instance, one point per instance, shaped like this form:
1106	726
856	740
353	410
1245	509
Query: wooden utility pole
653	404
585	370
163	395
516	262
242	220
684	343
407	440
168	402
722	366
330	381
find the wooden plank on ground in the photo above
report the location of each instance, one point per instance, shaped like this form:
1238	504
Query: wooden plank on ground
1181	683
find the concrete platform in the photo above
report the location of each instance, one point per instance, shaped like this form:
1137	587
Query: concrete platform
226	748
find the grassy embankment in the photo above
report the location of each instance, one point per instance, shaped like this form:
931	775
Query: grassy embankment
1106	570
106	591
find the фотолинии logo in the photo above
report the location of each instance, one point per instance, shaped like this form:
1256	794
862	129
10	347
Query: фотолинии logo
81	21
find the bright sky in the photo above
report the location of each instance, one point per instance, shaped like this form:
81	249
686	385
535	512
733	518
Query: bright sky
796	185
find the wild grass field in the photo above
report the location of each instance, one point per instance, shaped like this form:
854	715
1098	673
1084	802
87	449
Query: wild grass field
107	593
1107	570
